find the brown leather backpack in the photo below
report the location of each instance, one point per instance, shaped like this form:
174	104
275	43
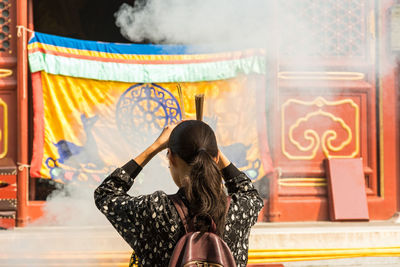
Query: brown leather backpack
196	248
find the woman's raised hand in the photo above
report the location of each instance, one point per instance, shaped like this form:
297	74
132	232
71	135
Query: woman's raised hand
162	141
159	144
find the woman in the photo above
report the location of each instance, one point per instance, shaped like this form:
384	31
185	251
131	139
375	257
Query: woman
150	223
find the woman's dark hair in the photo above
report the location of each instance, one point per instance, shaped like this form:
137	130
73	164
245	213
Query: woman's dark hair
194	142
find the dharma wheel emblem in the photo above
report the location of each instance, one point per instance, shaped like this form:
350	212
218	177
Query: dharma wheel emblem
146	109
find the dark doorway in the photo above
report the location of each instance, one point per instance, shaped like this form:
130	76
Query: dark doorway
81	19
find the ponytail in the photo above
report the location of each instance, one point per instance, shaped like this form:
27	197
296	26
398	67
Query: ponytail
194	142
204	191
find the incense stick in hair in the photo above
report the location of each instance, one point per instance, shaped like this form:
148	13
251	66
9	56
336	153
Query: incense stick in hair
199	101
181	101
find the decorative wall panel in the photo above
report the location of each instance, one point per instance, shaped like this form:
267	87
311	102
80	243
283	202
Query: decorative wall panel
329	28
320	128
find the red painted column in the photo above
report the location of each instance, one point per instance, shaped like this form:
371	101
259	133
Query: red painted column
22	116
273	210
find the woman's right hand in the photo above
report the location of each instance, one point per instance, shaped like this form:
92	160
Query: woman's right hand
162	141
159	144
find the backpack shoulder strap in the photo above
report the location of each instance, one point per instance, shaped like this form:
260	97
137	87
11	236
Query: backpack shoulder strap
181	209
228	204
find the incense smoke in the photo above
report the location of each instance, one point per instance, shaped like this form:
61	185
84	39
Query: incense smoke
73	204
195	22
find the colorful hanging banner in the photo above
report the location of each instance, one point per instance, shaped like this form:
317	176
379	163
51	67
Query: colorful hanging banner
96	103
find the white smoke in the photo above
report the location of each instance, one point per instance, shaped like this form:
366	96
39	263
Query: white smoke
195	22
73	204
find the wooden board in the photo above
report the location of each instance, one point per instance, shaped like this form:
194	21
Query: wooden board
346	189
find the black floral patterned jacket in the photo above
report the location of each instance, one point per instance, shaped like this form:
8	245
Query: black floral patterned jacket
151	225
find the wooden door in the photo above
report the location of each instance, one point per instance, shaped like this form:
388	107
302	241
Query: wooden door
327	104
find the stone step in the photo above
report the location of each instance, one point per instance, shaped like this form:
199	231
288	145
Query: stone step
294	244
